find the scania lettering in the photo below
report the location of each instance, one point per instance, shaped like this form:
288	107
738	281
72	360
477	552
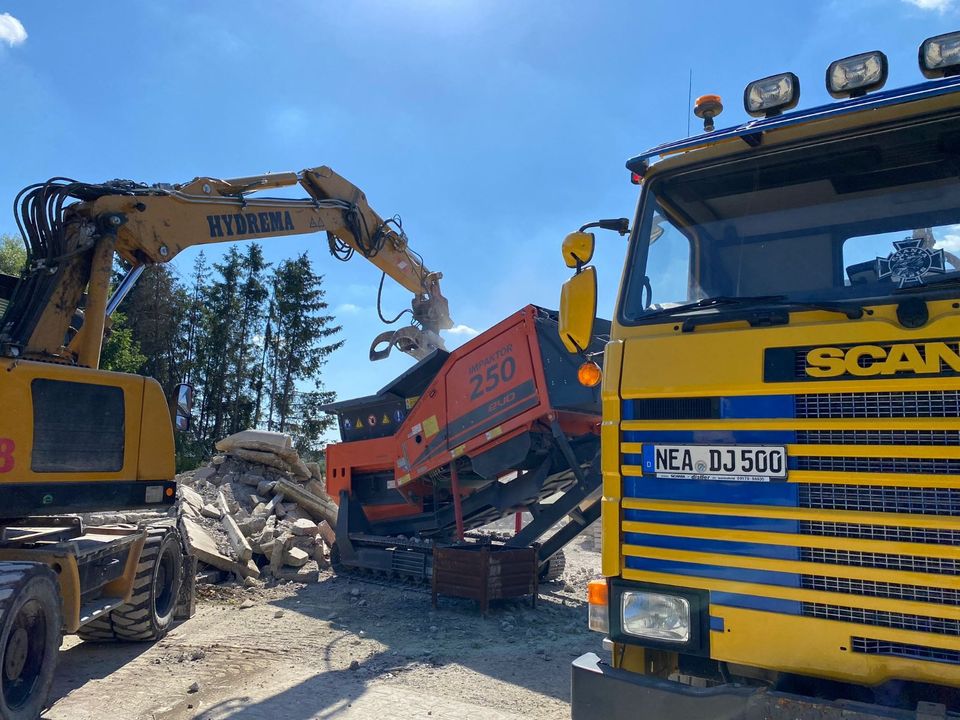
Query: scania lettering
780	444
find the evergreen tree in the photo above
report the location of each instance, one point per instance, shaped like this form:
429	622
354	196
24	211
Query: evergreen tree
299	348
156	312
121	352
252	295
221	312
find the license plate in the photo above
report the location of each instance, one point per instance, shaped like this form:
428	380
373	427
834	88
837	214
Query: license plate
745	463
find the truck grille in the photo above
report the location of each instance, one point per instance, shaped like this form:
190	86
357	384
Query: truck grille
869	646
921	403
864	602
901	621
881	498
856	558
932	536
898	591
923	466
878	437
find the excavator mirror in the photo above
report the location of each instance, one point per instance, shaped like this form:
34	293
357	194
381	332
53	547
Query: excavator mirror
578	249
578	308
184	407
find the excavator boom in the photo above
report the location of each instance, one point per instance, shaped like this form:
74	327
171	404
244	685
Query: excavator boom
74	229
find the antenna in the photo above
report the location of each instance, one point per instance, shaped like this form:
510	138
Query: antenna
689	100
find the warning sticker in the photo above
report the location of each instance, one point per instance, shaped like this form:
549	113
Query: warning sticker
430	426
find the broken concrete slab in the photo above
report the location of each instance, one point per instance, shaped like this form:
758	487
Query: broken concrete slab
295	557
203	546
302	526
237	540
321	508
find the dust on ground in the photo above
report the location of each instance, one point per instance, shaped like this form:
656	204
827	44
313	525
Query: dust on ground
341	648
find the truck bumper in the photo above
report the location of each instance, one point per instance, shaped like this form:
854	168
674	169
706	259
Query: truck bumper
601	692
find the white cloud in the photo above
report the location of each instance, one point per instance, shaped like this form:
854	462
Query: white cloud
12	31
348	309
940	6
950	243
462	330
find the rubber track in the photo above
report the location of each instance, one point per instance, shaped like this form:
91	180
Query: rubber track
131	621
555	567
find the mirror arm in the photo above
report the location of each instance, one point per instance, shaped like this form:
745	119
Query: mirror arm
619	225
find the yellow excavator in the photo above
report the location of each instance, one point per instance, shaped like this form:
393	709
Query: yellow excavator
76	439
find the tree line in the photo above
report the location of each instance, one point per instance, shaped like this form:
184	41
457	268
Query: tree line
251	338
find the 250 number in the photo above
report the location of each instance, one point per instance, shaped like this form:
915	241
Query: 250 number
496	374
7	447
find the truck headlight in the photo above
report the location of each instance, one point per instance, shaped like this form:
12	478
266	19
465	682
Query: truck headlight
772	95
856	75
655	616
940	55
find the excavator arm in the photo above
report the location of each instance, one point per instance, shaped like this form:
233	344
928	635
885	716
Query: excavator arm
73	230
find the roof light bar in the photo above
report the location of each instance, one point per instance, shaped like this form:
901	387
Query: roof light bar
940	55
772	95
857	75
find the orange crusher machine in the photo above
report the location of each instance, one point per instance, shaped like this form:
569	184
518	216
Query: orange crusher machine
500	425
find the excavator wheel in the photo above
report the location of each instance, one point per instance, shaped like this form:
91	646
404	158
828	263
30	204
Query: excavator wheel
553	568
149	614
30	634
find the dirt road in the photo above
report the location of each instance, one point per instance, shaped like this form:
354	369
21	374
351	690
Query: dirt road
340	648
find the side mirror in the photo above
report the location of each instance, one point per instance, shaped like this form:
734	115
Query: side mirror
184	408
578	308
578	249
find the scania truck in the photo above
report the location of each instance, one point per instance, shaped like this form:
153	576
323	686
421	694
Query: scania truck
781	410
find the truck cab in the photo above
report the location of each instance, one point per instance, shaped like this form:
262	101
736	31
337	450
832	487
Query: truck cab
781	394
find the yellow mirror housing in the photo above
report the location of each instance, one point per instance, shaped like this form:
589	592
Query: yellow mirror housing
578	249
578	308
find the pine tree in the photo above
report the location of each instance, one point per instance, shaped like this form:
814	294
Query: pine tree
121	352
221	311
252	295
299	348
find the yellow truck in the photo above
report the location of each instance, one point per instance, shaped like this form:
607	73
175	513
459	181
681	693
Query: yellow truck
781	410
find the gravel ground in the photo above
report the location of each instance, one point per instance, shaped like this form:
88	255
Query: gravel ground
341	648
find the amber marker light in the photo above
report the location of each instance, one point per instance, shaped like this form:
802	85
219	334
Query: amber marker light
169	492
707	107
597	599
589	374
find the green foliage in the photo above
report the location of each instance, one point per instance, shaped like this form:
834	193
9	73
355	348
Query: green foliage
298	351
252	342
121	353
13	255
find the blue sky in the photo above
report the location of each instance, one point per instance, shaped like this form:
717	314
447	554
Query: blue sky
492	127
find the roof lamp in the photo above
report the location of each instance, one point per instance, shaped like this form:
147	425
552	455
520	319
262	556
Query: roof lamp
857	75
940	55
772	95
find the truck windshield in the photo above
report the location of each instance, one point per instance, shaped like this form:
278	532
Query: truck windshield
851	219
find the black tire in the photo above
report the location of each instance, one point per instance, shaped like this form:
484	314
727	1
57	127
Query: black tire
149	613
30	637
553	568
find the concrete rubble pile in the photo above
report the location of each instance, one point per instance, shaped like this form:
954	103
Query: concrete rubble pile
258	510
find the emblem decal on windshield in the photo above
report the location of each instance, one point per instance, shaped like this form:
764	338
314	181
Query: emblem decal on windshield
910	262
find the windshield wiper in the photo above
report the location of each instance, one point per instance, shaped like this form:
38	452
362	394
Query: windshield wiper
718	301
854	311
761	311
